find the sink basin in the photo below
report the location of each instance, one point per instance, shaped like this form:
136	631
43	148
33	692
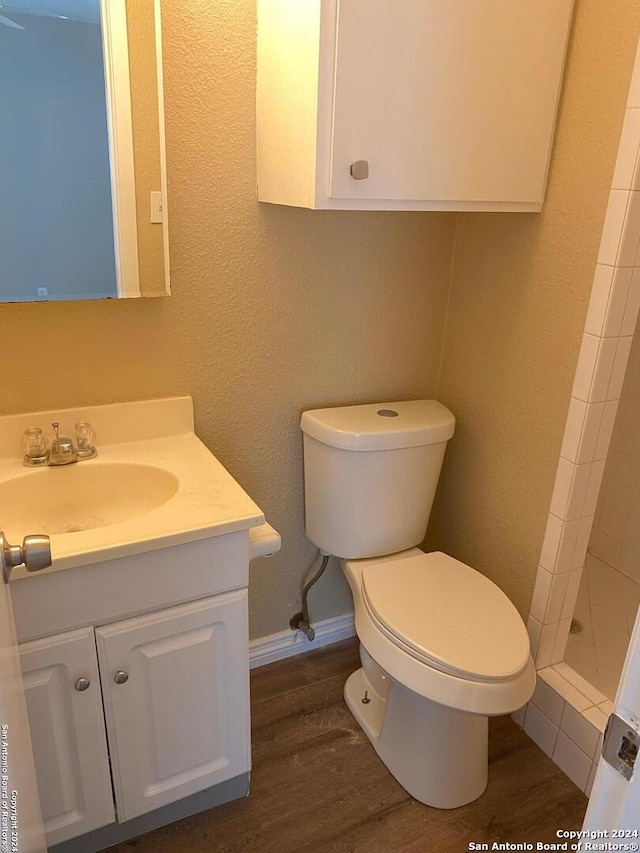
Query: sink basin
154	485
83	496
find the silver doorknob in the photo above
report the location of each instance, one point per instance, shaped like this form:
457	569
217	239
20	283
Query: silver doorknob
34	553
121	677
82	684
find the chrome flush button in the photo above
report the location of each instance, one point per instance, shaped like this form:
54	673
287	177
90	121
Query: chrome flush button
387	413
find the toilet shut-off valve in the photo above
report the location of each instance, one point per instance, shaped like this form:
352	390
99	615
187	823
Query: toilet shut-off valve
300	621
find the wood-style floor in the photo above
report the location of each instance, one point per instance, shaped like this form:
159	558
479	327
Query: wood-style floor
317	784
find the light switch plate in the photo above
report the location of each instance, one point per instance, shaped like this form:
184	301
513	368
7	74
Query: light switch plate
156	207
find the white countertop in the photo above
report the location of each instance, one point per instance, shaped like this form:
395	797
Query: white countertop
208	501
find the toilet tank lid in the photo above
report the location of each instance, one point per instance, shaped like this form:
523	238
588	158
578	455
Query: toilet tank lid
380	426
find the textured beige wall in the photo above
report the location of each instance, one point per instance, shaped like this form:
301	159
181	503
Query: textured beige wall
146	141
277	309
273	309
519	295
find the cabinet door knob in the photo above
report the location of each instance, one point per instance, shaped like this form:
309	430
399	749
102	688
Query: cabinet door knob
121	677
82	684
360	170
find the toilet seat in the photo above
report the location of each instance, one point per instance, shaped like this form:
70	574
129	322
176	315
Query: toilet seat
490	698
446	615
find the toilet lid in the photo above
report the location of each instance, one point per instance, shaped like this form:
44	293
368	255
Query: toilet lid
446	613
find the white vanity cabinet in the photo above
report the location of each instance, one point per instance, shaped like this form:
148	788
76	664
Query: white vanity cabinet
408	104
134	643
175	692
138	692
66	719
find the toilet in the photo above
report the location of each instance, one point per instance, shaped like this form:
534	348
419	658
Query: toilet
442	648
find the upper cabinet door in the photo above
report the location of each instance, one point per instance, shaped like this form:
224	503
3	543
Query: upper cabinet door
449	100
64	705
408	104
176	696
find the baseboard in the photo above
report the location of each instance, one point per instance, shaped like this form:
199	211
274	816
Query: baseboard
285	644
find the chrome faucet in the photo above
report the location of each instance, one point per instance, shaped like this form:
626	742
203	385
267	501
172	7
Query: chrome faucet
63	450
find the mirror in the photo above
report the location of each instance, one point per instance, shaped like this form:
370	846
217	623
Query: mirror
83	211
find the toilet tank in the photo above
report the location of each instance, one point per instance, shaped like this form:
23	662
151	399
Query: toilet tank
370	475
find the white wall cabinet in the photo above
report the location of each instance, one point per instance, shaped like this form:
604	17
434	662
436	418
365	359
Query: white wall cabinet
64	705
410	104
173	689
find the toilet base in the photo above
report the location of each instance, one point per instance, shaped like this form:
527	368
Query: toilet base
438	755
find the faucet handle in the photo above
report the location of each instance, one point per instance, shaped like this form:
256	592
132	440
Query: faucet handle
34	444
85	440
63	451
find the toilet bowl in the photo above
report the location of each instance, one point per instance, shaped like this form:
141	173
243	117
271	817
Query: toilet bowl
442	647
428	685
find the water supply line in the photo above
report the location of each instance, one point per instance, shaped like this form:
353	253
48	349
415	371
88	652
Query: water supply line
300	621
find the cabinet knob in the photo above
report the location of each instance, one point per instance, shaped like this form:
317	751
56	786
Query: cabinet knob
121	677
82	684
360	170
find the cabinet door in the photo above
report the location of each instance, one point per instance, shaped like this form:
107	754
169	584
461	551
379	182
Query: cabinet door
68	734
448	101
176	700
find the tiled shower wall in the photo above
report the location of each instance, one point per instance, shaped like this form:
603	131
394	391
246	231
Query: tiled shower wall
609	592
615	537
567	715
606	345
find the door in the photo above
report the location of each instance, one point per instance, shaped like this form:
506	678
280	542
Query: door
176	697
64	705
18	792
614	804
446	101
